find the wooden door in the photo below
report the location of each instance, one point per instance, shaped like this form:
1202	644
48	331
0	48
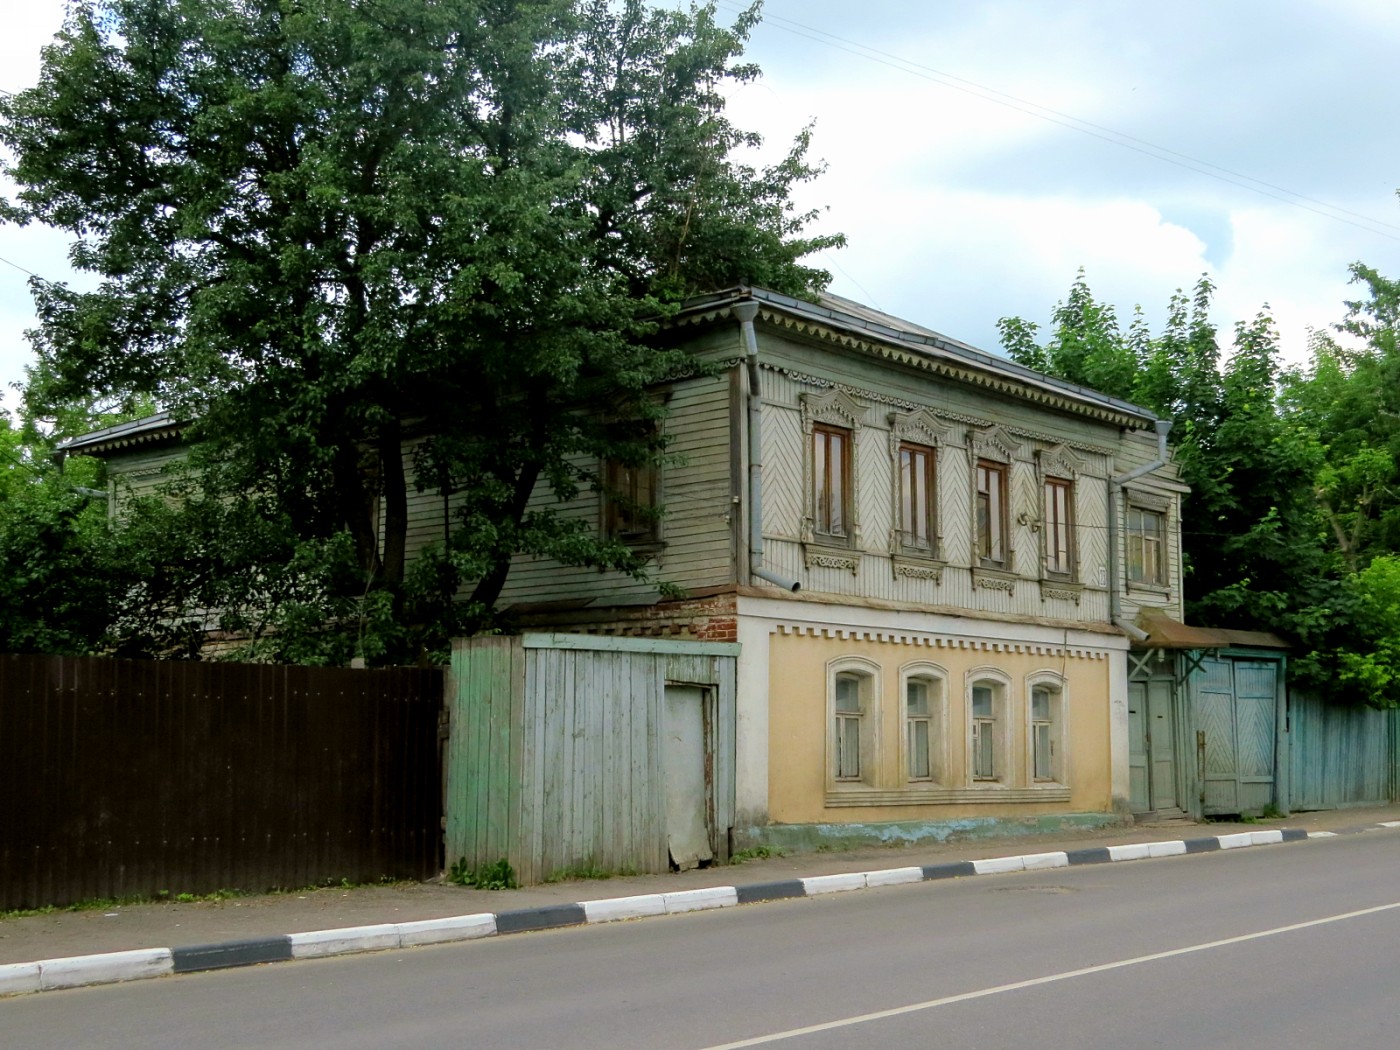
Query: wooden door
1151	746
686	772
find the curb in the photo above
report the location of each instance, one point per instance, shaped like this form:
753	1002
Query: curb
78	971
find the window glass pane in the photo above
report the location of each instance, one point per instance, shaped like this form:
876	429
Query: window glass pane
848	747
1040	704
983	742
837	481
1042	751
981	701
906	492
847	693
918	750
822	495
917	692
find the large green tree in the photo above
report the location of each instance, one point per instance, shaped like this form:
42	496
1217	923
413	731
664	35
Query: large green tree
1293	521
325	228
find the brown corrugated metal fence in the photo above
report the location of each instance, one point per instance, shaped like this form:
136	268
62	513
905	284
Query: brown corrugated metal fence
126	777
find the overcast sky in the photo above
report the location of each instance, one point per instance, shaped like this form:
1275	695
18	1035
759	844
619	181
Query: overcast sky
1253	140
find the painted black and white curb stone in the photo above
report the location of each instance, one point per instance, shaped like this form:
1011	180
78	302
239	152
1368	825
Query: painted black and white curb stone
50	974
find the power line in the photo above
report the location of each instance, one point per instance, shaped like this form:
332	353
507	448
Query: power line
1084	127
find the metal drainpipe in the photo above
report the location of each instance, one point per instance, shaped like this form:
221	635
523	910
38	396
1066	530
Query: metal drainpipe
1115	497
746	312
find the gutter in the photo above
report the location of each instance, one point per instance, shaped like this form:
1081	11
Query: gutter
746	312
1115	500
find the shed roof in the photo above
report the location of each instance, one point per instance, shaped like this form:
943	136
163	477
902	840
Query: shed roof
1165	633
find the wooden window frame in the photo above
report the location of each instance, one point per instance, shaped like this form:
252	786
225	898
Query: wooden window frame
1144	570
1055	527
918	489
641	488
866	676
1053	728
822	436
935	680
997	519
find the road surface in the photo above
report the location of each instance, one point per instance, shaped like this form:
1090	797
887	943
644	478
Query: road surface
1290	946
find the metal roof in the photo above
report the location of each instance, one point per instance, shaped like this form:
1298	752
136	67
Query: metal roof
852	318
124	435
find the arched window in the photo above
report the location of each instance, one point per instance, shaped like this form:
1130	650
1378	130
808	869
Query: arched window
853	690
988	740
1045	729
923	693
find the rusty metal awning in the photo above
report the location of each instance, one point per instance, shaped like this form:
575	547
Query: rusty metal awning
1165	633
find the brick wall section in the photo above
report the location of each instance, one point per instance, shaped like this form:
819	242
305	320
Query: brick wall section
709	619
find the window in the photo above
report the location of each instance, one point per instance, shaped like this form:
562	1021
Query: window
916	498
831	476
1146	541
853	691
1045	726
631	502
984	732
1059	527
848	719
991	513
1042	734
918	722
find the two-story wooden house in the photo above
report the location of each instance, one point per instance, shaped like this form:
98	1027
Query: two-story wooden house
932	558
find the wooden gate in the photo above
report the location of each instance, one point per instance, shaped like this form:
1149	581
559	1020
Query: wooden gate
1237	701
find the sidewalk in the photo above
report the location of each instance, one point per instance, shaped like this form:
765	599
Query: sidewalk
174	925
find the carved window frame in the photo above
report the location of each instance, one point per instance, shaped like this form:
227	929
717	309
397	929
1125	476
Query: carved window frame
996	446
920	427
1059	464
835	408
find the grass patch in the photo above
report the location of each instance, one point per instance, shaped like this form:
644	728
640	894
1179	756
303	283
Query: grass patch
497	876
756	853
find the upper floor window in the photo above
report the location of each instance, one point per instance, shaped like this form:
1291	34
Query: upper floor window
916	498
1146	538
991	512
630	502
831	480
1058	524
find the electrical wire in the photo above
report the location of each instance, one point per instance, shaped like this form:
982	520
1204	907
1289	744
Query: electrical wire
1084	127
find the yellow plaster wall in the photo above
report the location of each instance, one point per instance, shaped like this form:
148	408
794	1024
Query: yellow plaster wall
798	733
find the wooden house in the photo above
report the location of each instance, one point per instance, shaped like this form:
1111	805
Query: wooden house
934	562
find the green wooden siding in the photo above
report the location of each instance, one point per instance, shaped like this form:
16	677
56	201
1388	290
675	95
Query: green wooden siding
1341	756
555	759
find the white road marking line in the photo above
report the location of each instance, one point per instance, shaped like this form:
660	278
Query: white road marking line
948	1000
1390	823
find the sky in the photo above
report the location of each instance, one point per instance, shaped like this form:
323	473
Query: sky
980	152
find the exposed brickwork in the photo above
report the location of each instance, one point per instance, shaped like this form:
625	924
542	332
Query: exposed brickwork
709	619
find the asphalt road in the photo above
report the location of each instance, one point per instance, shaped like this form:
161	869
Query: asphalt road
1293	946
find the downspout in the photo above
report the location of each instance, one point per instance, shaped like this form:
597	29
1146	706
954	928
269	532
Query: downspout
746	312
1115	499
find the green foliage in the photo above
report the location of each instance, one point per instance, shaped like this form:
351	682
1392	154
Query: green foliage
761	852
325	230
497	876
1293	522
